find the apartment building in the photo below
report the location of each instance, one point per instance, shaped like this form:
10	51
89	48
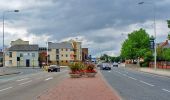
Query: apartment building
60	53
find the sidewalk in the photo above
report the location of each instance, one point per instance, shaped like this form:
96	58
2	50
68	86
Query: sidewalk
80	89
162	72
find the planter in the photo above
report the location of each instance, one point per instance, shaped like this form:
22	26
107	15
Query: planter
90	74
75	75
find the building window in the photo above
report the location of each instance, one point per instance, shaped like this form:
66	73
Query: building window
61	49
10	62
28	54
57	56
21	54
62	61
10	54
66	61
57	50
62	55
33	54
66	55
66	49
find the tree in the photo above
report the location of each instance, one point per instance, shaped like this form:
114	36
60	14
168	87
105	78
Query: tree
136	45
166	54
168	22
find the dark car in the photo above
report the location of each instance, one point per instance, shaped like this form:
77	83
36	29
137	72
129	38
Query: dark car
54	68
105	66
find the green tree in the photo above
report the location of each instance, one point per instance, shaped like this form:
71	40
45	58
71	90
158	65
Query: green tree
166	54
168	22
136	45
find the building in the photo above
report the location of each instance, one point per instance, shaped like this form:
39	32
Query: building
19	42
60	53
84	54
22	55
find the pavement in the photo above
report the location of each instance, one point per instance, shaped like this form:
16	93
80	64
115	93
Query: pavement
163	72
81	89
137	85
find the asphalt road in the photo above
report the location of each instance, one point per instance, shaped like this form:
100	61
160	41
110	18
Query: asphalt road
30	86
135	85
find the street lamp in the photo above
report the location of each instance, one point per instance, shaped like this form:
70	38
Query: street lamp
3	16
154	11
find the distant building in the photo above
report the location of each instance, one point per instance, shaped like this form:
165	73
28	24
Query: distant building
19	42
84	54
22	55
60	53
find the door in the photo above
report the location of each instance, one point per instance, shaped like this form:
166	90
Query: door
27	63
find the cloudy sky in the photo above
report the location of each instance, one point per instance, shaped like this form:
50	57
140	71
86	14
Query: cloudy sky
101	25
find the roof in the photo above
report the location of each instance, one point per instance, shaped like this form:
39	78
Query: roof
167	46
24	48
63	45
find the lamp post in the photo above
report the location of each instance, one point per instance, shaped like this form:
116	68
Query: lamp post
3	16
154	16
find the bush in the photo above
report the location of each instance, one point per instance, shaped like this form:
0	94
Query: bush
144	64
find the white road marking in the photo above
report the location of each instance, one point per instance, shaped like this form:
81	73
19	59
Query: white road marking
147	83
166	90
25	82
5	89
49	78
132	78
109	71
23	79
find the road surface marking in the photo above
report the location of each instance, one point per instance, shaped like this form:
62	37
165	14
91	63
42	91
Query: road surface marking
132	78
147	83
5	89
25	82
49	78
22	79
108	71
166	90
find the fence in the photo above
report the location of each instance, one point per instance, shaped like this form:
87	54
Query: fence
161	65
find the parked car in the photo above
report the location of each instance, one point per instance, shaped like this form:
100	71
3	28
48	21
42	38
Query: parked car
54	68
115	64
105	66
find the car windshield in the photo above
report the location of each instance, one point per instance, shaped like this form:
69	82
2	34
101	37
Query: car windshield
84	49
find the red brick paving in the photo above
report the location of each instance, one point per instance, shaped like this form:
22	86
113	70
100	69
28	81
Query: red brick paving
81	89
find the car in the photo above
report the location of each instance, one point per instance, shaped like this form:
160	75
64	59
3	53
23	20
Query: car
54	68
105	66
115	64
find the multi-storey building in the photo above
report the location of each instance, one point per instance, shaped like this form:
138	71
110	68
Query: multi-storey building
60	53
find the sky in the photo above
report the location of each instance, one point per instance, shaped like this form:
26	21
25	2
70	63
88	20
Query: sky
101	25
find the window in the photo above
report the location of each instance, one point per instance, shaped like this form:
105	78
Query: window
10	62
66	49
28	54
62	55
21	54
49	49
61	49
10	54
66	55
57	56
33	54
57	50
66	61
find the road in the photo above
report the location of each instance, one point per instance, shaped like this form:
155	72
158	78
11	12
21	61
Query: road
30	86
135	85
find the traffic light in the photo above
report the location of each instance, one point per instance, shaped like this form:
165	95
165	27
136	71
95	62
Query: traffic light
168	21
